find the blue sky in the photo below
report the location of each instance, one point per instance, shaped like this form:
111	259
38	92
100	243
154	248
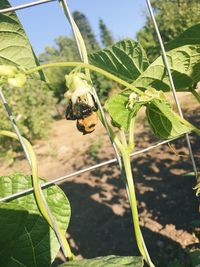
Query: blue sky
46	22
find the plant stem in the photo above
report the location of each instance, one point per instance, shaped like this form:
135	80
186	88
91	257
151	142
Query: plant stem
123	138
131	143
133	204
195	94
88	66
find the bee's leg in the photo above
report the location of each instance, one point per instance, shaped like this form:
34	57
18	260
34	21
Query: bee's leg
95	108
69	114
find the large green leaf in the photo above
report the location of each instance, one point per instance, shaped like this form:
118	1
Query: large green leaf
107	261
37	245
163	121
125	59
15	48
12	220
184	61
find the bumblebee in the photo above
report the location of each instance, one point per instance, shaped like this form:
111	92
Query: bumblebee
84	113
81	102
87	125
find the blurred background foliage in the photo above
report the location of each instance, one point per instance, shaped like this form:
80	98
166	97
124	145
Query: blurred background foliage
173	17
33	107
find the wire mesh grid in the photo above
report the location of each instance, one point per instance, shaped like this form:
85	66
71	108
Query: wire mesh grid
111	161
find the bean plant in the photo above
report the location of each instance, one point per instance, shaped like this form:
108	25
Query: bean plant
28	236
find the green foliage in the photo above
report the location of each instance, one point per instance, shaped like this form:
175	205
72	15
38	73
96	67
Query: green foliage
102	86
195	257
173	17
108	261
32	107
184	61
65	50
19	51
163	121
105	34
125	59
12	220
120	102
128	61
35	244
188	37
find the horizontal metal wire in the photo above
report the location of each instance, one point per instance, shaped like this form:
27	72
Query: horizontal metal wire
63	178
23	6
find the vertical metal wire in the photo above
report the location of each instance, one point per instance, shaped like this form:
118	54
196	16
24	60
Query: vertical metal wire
16	129
171	81
73	25
71	21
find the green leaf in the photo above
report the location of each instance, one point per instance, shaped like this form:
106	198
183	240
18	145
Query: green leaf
164	121
12	220
107	261
189	37
119	111
37	245
15	48
195	258
125	59
184	63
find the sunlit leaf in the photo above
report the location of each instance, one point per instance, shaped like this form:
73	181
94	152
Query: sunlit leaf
125	59
119	110
15	48
184	61
163	121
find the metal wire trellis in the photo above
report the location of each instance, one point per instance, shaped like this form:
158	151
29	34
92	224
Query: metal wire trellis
171	81
36	3
68	176
63	178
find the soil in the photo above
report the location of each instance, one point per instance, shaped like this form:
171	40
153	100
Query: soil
101	221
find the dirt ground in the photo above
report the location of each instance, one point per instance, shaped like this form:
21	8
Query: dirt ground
101	220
